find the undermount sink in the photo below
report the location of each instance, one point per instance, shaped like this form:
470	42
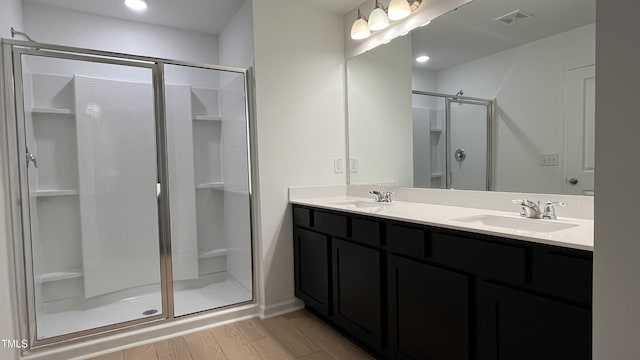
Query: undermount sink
524	224
362	204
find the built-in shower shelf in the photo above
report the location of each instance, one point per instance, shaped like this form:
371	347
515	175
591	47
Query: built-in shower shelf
436	175
207	118
56	276
436	130
51	193
212	253
212	185
52	111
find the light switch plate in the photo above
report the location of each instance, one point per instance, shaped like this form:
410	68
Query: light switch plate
549	159
353	165
338	165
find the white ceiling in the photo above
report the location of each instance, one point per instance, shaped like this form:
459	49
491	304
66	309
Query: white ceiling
470	32
205	16
337	6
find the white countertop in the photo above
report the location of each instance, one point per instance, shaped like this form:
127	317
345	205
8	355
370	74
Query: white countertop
578	237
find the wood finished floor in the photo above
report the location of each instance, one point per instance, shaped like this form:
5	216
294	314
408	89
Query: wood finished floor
298	335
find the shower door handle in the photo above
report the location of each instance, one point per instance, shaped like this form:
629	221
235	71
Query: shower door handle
32	158
158	190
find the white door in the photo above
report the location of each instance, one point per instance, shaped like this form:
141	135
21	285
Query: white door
581	96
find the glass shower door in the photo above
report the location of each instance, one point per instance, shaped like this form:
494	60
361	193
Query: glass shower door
468	145
89	138
207	151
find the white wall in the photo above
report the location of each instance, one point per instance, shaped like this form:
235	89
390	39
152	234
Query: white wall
616	319
236	49
10	15
529	84
379	98
64	27
300	85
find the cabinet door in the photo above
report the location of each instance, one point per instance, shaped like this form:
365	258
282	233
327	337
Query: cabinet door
428	311
356	291
312	269
518	325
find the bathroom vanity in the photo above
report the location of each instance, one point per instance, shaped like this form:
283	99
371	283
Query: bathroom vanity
407	284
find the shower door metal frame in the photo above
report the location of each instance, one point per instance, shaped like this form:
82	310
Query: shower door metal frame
14	138
449	99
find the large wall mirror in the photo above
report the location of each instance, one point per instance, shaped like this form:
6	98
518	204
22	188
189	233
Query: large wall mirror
505	101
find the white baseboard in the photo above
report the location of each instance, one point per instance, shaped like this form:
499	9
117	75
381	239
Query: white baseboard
281	308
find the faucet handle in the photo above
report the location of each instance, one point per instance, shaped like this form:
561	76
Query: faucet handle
559	203
549	211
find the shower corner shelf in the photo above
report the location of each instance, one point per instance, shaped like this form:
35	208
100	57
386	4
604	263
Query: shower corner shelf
207	118
56	276
436	130
211	185
51	111
436	175
52	193
212	253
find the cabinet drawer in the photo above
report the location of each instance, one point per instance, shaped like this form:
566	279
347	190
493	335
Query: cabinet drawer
366	231
565	274
301	216
407	241
488	259
333	224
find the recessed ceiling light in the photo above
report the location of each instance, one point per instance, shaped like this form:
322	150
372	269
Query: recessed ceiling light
422	59
137	5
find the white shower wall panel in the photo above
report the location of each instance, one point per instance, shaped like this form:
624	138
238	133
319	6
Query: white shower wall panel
182	192
118	177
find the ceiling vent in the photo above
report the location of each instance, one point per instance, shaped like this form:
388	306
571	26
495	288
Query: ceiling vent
513	17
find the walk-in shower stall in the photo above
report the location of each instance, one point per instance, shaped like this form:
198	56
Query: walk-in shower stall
452	141
130	188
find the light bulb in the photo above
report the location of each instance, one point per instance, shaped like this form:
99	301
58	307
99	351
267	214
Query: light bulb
399	9
422	59
378	19
137	5
360	29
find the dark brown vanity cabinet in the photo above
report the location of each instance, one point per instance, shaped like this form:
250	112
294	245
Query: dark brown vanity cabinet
338	267
357	294
428	311
407	291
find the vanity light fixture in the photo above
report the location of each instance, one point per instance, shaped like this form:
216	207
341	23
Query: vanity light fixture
414	4
399	9
378	18
360	29
422	59
137	5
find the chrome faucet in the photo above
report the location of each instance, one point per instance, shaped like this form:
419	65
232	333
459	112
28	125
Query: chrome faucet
529	208
381	196
532	210
550	210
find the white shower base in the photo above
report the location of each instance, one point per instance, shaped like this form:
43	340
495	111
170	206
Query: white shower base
186	301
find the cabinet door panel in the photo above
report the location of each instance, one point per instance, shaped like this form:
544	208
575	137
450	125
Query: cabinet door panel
312	269
356	291
518	325
428	311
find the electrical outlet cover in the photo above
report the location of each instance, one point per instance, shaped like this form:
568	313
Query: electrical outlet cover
338	166
353	165
549	159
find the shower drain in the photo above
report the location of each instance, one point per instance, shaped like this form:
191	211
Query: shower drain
150	312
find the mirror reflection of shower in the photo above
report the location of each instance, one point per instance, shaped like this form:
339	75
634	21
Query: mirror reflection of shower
443	125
